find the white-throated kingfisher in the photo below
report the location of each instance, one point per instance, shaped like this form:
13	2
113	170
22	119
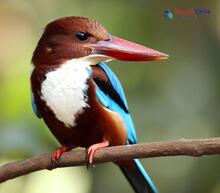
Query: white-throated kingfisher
79	97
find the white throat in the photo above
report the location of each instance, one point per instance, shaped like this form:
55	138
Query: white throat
64	90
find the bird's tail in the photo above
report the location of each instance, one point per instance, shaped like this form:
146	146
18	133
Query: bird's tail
138	178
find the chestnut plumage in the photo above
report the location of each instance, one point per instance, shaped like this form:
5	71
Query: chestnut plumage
79	97
60	38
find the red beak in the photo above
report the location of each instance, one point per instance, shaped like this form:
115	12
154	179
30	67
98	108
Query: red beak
121	49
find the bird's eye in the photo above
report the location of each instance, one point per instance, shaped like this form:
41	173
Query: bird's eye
81	36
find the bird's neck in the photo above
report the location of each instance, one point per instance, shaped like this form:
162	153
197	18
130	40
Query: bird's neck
65	90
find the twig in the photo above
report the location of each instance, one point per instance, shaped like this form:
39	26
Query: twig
189	147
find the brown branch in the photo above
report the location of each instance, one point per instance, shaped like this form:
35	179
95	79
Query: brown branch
189	147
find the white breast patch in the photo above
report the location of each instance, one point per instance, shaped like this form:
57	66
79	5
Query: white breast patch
64	90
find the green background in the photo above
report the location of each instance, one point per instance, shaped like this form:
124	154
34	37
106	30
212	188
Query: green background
176	98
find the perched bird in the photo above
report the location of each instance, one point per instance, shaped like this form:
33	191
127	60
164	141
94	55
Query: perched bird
77	95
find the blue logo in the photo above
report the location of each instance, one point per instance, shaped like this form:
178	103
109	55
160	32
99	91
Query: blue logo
168	14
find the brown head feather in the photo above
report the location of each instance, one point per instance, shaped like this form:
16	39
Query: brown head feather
58	42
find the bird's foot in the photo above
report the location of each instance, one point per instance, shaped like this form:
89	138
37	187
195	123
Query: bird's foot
57	154
92	149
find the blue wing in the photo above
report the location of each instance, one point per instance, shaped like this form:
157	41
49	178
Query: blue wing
111	104
137	176
34	106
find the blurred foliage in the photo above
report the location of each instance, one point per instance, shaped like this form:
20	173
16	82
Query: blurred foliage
168	99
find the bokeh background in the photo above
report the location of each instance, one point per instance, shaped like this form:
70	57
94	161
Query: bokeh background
176	98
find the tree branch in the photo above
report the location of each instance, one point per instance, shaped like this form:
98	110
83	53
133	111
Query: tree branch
188	147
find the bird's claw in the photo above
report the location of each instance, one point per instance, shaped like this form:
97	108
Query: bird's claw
55	157
89	157
57	154
91	152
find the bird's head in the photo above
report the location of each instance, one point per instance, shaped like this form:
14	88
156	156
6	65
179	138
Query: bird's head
77	37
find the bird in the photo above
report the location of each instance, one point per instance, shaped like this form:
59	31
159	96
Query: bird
80	98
